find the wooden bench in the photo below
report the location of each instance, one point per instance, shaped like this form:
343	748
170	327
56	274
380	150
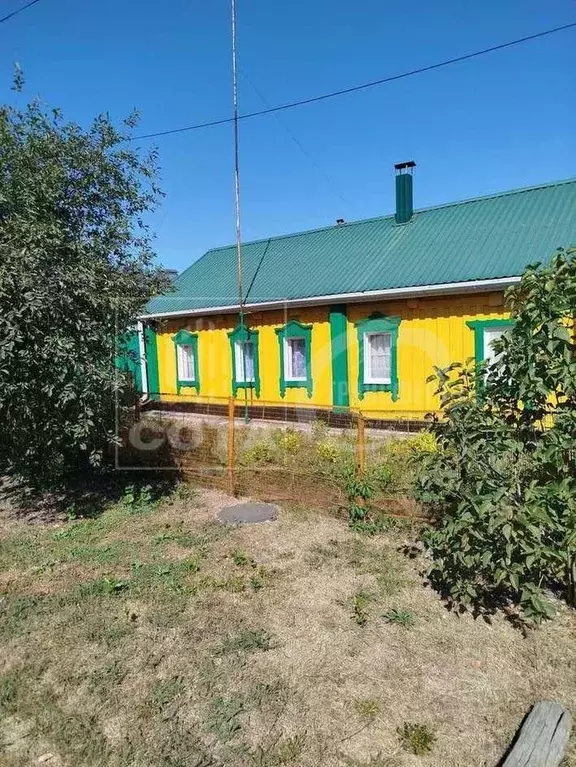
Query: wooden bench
543	737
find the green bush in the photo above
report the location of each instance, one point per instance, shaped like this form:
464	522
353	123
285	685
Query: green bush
260	453
288	440
327	450
401	457
423	442
76	269
503	477
381	475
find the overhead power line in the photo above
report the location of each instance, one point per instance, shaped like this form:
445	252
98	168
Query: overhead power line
355	88
18	10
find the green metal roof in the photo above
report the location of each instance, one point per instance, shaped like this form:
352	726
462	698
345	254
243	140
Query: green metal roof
484	238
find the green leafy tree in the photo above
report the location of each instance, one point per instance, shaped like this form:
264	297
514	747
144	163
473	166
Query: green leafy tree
76	268
503	481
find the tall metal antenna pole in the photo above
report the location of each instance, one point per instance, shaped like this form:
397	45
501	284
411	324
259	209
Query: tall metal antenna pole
236	160
237	203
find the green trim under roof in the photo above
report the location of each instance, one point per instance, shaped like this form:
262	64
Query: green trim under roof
485	238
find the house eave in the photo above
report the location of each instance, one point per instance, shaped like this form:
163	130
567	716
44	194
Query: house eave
417	291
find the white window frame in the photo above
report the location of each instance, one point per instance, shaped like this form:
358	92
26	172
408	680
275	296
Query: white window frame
368	377
239	361
288	359
181	348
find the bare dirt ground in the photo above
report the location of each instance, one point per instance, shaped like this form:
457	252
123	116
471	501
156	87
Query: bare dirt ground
153	636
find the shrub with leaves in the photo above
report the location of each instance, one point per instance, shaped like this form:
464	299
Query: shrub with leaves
503	478
327	450
260	453
288	441
359	488
76	268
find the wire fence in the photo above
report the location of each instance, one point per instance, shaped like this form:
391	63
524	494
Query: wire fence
314	461
253	408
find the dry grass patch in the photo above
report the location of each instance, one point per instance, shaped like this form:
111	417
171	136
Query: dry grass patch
156	637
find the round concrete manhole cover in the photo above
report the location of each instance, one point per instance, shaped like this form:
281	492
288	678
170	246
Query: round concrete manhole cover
247	513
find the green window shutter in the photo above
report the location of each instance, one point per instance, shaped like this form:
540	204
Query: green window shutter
241	334
295	329
377	323
151	348
128	357
185	338
479	326
339	344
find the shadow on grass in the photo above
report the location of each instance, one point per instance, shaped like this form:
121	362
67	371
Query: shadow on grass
488	602
83	495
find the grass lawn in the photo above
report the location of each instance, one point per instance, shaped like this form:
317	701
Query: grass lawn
152	636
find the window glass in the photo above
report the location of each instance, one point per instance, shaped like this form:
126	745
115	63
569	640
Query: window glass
244	351
491	334
377	348
295	359
185	362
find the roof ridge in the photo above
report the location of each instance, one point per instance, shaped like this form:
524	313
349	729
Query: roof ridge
358	222
496	195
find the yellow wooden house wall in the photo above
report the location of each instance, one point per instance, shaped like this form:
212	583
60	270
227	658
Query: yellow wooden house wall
432	331
215	357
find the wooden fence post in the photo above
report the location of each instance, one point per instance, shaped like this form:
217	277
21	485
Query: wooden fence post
137	408
230	456
360	445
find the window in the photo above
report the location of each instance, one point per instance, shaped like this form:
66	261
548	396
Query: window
244	351
185	362
245	365
492	334
186	344
295	341
295	359
377	348
378	355
485	332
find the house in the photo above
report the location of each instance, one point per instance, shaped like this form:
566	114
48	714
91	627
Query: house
352	316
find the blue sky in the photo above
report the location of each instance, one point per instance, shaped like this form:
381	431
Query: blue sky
500	121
